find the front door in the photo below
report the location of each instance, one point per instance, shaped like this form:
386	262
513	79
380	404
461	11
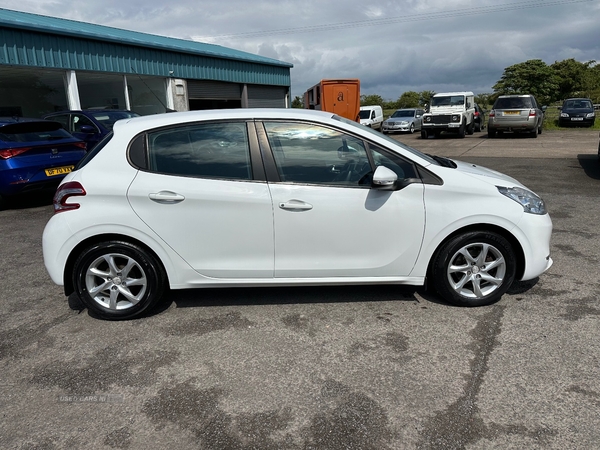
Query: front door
328	220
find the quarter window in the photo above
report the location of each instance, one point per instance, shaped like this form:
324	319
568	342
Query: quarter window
403	168
215	150
312	154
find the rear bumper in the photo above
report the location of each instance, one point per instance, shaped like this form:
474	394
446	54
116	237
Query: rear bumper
516	126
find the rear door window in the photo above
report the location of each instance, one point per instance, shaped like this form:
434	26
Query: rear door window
208	150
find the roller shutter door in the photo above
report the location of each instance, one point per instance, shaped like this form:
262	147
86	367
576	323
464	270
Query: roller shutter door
215	90
266	96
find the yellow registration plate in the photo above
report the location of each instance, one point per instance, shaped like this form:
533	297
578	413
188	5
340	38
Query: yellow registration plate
512	113
59	170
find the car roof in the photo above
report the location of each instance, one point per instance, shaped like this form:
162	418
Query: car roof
141	123
515	95
10	120
69	111
441	94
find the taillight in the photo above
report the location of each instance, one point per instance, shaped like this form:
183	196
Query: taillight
64	192
82	145
10	152
492	113
531	112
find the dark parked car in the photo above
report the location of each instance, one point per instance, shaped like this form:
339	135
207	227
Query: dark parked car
479	118
35	154
90	125
516	114
577	112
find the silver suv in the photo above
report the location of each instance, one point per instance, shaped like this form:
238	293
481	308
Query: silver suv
516	113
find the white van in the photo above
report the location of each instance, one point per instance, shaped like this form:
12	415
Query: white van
371	116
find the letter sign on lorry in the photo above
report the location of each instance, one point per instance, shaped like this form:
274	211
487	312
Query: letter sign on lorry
341	97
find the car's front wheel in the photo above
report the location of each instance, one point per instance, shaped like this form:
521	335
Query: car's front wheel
474	268
118	280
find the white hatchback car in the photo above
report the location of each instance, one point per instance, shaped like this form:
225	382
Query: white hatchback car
282	197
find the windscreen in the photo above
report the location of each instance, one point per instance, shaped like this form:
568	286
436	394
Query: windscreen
404	113
448	100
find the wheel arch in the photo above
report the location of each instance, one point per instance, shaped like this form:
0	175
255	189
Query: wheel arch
514	242
97	239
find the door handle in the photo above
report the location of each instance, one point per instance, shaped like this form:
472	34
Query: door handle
295	205
166	197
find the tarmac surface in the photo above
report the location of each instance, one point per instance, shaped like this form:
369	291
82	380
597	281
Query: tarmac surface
367	367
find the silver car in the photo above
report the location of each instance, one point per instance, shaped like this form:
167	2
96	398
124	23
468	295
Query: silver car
404	120
517	114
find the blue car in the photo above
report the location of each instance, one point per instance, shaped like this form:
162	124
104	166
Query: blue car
90	125
35	154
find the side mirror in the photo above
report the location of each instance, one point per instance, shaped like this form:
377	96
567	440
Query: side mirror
87	129
544	108
384	179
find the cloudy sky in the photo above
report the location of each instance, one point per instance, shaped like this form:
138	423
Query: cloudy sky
392	46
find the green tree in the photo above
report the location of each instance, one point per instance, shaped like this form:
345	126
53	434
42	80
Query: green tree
425	97
409	99
530	77
370	100
574	78
298	102
484	100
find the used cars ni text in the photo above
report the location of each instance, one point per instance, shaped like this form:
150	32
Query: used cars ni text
34	154
283	197
517	114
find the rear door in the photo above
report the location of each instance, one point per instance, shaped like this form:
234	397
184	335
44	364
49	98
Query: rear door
201	195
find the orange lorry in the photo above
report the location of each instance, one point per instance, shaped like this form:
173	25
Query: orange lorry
339	96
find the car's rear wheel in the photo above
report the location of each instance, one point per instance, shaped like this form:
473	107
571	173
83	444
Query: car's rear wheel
118	280
471	128
412	128
477	127
474	268
491	132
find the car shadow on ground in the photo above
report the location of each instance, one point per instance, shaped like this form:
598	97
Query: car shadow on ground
301	295
590	164
232	296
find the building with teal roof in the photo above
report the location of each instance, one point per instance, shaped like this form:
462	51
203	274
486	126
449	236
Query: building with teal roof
49	64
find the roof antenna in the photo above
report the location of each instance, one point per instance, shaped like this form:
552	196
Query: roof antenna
152	92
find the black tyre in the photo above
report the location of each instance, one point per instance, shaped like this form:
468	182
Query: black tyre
471	128
118	280
541	128
424	134
534	133
478	127
491	132
474	269
412	128
462	130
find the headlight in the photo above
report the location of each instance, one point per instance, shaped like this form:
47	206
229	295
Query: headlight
590	115
455	118
404	123
531	203
564	115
